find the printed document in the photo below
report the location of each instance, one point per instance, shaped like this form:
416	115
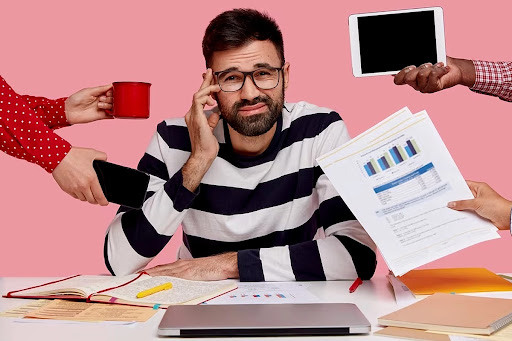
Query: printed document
397	178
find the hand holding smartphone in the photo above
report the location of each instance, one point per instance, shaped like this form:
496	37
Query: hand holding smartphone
122	185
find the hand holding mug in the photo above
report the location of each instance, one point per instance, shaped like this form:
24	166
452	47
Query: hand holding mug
89	104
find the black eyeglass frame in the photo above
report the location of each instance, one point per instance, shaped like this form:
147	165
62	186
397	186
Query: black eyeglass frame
250	73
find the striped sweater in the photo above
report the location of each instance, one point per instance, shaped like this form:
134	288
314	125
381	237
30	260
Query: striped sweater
278	210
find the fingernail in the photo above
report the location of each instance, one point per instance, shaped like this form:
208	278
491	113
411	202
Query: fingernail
451	204
409	68
440	64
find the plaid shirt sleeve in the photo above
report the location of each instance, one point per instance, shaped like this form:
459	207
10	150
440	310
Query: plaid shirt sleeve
493	78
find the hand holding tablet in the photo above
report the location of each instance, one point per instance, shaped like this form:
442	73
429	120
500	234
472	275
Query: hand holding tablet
383	43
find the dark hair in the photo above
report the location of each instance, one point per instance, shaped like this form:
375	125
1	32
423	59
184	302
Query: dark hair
235	28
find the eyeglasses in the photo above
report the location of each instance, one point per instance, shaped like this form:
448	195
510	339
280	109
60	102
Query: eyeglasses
265	78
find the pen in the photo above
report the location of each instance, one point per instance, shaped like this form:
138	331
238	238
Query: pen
165	286
354	285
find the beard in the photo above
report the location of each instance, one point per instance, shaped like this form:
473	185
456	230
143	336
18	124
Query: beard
257	124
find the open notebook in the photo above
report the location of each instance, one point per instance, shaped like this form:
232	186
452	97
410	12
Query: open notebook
124	289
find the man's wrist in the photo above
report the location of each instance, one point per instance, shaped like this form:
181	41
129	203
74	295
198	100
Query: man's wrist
194	170
467	69
230	264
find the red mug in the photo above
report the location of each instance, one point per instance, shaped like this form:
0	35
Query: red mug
131	100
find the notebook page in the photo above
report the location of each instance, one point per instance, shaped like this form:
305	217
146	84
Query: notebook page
182	290
86	284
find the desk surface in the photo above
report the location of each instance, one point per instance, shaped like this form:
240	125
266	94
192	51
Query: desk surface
375	298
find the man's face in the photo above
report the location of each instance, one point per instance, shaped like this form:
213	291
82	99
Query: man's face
251	111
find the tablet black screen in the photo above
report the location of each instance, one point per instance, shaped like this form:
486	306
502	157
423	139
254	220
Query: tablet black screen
393	41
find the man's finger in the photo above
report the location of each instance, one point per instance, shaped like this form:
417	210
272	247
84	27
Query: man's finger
213	120
423	78
434	79
400	77
208	90
463	205
410	78
207	79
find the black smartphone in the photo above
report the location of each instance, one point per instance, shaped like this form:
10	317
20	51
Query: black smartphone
122	185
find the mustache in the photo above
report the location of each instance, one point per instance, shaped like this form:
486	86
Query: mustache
245	102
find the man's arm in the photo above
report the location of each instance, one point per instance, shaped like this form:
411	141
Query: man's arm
341	249
135	237
493	78
490	78
344	251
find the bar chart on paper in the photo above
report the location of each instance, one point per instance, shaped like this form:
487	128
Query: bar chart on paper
391	157
267	293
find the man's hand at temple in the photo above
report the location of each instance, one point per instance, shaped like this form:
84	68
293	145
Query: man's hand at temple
200	128
213	268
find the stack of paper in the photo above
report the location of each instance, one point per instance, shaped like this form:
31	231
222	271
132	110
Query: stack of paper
397	178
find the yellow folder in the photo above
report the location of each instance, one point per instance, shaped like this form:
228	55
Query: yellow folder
454	280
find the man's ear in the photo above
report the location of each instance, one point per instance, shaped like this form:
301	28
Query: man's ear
286	74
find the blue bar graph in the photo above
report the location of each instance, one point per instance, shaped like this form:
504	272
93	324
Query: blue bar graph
409	152
367	169
394	156
381	164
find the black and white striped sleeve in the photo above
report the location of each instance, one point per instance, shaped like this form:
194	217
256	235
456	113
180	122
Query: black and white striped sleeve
136	236
341	249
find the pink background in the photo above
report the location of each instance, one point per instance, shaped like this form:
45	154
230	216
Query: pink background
54	48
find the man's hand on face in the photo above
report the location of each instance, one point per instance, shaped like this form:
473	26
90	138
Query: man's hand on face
487	204
200	129
428	78
211	268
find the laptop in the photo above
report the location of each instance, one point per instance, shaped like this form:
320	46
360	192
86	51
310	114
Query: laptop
263	320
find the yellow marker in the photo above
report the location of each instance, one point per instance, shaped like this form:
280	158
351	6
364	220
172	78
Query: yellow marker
165	286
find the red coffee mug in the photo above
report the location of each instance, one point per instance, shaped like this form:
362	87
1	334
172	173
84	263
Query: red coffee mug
131	100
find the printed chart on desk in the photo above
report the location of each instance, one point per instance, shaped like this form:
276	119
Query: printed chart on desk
267	293
397	181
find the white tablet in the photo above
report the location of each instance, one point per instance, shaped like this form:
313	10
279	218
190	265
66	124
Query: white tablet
383	43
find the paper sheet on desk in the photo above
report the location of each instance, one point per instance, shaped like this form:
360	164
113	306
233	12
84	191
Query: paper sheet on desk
397	178
23	310
91	312
268	293
403	296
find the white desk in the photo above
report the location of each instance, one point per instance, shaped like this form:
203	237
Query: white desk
375	298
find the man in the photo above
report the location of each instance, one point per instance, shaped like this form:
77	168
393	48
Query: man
26	132
242	179
490	78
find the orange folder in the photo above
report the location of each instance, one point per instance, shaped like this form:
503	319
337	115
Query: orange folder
454	280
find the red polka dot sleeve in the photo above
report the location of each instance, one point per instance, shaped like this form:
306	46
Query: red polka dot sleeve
26	124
